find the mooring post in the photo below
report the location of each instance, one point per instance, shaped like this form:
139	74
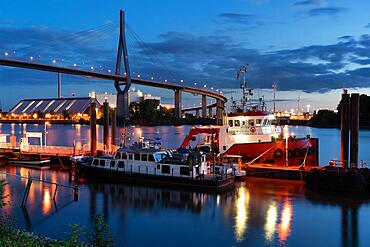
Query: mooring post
55	191
75	193
93	128
344	129
355	125
114	126
106	125
26	193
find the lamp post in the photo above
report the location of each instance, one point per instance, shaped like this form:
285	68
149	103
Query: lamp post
45	132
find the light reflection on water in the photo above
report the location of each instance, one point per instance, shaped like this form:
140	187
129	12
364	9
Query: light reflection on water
258	212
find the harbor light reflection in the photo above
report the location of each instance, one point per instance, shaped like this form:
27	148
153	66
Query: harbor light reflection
241	217
271	219
285	221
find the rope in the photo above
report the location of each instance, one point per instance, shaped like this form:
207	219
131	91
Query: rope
252	161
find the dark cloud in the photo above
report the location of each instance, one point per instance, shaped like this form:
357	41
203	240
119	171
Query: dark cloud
308	3
238	18
207	59
331	11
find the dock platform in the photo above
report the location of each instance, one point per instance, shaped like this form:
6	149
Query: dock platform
277	171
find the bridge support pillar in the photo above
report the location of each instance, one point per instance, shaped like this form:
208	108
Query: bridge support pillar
210	112
204	106
178	103
344	131
219	111
59	85
123	113
197	115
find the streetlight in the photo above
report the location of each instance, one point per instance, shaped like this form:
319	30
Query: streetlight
45	132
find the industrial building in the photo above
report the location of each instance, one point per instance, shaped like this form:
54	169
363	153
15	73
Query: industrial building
53	108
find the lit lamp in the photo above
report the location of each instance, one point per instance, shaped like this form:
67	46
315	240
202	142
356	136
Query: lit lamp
286	135
45	131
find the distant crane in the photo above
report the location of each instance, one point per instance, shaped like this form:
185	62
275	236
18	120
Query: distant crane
274	88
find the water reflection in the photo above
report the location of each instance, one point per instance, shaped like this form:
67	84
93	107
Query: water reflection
241	217
270	225
285	221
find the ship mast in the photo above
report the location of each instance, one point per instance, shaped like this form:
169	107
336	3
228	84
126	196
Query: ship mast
243	85
274	87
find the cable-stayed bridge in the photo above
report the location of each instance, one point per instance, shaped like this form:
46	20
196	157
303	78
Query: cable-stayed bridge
123	81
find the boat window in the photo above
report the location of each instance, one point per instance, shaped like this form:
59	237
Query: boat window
144	157
130	157
184	170
95	162
121	164
258	122
112	163
243	123
117	156
124	156
102	162
274	122
166	169
251	122
151	157
231	123
137	156
237	123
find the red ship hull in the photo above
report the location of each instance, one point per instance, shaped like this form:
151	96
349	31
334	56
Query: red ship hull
300	152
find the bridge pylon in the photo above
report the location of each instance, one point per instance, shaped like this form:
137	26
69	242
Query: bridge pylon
123	114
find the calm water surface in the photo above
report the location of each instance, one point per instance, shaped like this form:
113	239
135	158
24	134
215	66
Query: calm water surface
258	212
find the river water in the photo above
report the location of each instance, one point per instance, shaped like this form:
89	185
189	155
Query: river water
258	212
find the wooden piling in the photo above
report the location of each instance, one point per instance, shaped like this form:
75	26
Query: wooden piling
106	125
114	126
344	129
93	128
355	125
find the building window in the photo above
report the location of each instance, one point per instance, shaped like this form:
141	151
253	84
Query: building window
112	163
237	123
231	123
144	157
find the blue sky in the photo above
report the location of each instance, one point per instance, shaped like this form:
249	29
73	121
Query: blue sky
311	48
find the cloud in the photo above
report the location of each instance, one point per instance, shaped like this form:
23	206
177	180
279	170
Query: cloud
331	11
237	18
309	3
206	59
368	25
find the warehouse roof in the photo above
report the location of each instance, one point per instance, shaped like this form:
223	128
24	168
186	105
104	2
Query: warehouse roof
54	105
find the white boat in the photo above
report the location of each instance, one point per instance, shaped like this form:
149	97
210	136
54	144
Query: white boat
160	166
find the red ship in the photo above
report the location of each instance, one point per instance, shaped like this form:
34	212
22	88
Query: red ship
253	134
